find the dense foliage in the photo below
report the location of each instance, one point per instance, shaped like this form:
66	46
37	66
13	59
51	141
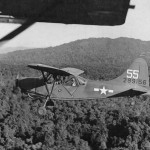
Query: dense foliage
119	123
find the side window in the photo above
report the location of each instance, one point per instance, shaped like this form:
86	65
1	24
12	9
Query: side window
74	82
50	78
71	82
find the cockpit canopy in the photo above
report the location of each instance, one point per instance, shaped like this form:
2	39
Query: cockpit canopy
73	79
70	80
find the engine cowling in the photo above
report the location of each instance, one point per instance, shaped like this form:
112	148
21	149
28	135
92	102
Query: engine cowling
28	83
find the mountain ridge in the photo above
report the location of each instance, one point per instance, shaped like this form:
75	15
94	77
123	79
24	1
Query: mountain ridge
92	48
94	55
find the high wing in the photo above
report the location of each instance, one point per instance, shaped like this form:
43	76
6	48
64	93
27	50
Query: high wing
52	70
88	12
73	71
28	83
91	12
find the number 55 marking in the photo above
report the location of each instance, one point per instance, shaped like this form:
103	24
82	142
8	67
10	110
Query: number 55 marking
132	73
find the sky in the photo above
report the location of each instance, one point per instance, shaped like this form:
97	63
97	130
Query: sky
137	26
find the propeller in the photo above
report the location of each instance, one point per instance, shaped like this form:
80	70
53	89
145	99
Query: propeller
17	81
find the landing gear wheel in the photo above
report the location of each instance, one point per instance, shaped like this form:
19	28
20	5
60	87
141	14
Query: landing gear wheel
42	111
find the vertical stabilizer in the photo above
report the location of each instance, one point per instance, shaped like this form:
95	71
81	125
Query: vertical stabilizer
136	74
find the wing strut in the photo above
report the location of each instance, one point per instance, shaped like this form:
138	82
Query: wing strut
29	22
42	110
49	93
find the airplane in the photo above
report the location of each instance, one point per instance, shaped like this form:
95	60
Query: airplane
67	84
87	12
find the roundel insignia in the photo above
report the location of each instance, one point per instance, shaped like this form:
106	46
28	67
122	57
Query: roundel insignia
103	90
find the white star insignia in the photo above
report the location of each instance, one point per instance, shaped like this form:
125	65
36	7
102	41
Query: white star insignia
103	90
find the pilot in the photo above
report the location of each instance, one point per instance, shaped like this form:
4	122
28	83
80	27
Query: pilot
58	79
73	82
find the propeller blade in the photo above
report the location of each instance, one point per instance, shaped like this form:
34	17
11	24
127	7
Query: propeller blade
17	81
18	76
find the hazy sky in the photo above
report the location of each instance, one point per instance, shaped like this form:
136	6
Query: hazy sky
46	34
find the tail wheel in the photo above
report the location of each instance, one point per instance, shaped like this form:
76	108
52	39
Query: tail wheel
42	111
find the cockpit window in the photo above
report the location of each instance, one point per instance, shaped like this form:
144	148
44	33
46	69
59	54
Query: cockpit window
81	80
65	80
70	81
48	76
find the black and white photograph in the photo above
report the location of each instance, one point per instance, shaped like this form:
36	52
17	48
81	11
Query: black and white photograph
74	74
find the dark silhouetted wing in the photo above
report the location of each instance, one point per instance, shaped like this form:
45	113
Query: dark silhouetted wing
87	12
52	70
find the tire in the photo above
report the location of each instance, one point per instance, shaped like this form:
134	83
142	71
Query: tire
42	111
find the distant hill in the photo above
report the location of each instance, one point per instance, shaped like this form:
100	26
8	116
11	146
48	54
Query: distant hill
92	55
10	49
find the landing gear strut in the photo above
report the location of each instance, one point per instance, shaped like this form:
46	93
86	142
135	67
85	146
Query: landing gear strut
42	110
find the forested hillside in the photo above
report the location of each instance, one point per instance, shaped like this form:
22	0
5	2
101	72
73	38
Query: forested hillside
93	55
97	50
82	125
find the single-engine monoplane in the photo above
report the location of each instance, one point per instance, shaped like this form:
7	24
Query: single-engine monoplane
67	84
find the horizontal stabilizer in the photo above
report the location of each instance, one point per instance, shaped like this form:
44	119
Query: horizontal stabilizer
128	93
